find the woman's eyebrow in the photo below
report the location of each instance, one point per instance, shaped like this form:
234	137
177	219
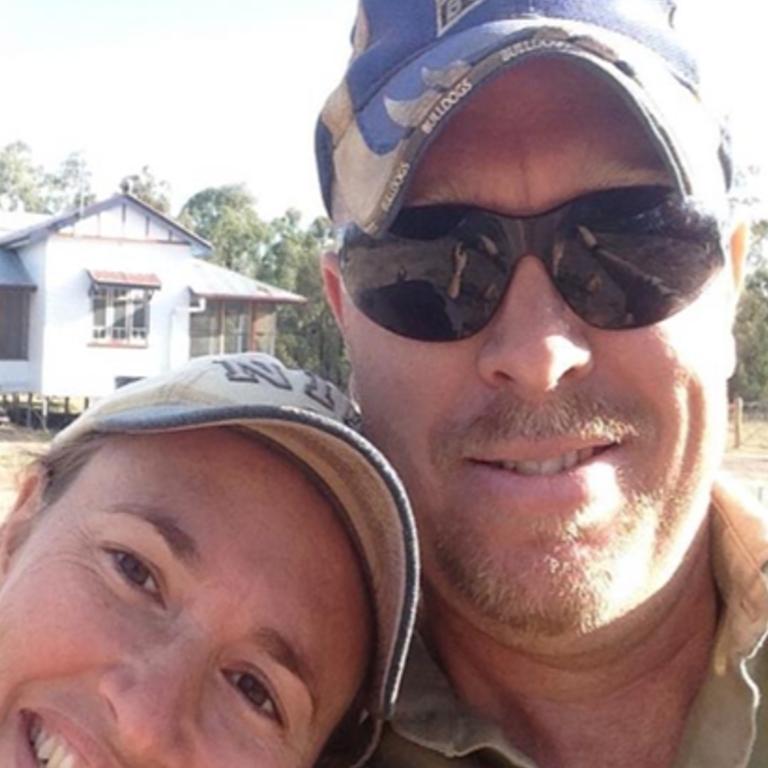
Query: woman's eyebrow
179	541
288	656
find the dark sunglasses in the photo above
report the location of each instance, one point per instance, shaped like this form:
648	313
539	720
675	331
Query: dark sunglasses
620	258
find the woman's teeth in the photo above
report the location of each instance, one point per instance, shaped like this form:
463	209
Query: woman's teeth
51	750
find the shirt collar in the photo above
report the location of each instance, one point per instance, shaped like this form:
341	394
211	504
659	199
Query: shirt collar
740	563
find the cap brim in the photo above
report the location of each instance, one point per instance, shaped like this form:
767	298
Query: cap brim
376	155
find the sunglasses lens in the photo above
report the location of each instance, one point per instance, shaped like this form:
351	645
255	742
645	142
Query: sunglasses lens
431	286
635	259
620	258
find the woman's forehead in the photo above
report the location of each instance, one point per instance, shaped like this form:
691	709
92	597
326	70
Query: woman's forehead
215	483
243	531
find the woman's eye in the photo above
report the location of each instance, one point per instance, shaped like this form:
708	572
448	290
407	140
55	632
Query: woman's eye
135	571
255	692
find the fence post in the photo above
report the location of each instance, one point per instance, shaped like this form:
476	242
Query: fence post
738	419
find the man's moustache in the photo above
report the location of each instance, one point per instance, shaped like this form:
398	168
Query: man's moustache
509	418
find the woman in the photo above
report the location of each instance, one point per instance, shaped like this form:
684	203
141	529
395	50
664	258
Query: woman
207	569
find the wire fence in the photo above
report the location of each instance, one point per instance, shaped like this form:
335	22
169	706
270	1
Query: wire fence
748	439
749	426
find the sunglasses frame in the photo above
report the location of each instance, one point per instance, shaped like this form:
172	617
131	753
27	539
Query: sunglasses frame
661	226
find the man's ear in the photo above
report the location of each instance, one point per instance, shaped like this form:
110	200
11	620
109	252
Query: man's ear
738	257
333	286
20	519
739	251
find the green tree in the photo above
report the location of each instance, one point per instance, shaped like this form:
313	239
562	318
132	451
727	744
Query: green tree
226	217
69	187
148	188
21	180
758	242
751	330
307	334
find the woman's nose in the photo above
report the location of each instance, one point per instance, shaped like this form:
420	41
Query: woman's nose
152	699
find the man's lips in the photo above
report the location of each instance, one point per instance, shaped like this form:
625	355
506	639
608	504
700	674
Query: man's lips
541	482
544	460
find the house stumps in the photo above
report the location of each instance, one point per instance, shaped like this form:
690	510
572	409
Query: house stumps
46	412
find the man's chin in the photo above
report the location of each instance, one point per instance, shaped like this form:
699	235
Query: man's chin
555	588
563	602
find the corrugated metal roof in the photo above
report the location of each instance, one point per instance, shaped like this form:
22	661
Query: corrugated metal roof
215	282
127	279
13	273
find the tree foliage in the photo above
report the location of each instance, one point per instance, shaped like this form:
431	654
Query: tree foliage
21	180
758	243
751	330
69	186
308	336
27	186
226	217
149	189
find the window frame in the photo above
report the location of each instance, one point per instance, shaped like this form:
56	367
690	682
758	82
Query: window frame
120	306
217	340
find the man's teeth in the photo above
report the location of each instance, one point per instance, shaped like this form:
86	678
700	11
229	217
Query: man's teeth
51	750
549	466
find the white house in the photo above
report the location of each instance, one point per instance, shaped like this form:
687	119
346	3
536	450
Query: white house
118	291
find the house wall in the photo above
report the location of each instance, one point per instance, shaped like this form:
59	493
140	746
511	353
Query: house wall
75	365
24	375
15	376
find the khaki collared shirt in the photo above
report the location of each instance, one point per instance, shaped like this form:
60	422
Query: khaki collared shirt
727	726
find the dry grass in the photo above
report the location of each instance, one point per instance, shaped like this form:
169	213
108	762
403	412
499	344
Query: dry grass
754	436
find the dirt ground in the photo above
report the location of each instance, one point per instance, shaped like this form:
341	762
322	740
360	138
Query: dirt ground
752	467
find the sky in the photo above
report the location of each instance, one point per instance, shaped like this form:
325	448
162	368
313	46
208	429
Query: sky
209	93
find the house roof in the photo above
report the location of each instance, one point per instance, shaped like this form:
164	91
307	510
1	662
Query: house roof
127	279
53	224
214	282
12	272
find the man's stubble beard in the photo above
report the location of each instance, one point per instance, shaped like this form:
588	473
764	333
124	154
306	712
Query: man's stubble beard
571	595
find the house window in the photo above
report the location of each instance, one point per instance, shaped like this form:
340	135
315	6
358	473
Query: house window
226	326
120	315
205	330
237	332
14	323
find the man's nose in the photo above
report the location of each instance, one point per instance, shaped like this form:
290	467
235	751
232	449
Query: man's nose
534	344
152	699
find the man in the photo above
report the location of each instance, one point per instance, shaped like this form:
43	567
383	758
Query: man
536	286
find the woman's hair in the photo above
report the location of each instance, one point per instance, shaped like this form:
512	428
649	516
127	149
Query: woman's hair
61	464
49	475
